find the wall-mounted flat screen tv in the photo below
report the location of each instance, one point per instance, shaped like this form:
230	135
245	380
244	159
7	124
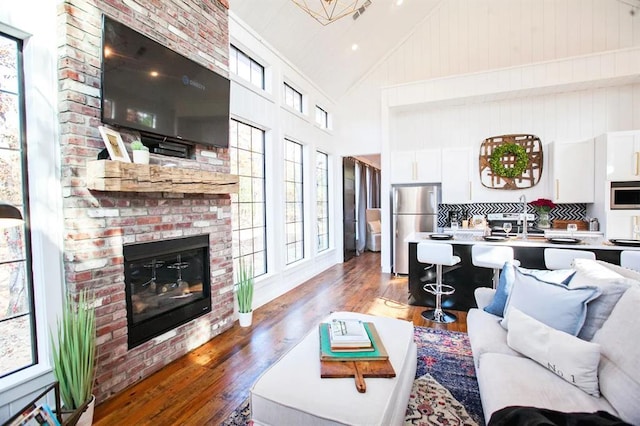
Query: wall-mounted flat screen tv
150	88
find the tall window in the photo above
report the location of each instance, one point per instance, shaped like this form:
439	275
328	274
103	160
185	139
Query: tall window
246	150
17	316
292	97
293	181
322	118
244	66
322	199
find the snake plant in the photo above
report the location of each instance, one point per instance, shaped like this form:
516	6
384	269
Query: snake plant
244	286
74	346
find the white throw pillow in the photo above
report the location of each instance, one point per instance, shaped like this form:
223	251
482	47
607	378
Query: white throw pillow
555	305
570	358
625	272
612	285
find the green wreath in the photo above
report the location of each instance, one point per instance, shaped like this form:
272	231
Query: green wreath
520	165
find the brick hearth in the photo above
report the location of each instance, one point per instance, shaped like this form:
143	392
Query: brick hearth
97	224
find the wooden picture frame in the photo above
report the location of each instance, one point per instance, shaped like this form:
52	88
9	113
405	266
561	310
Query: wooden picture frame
115	145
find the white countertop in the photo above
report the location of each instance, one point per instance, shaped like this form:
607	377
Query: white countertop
590	240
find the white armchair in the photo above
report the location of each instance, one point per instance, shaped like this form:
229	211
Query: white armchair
373	235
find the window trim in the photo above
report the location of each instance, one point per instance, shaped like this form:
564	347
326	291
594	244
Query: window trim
26	229
252	61
295	92
288	263
328	202
325	125
44	190
264	195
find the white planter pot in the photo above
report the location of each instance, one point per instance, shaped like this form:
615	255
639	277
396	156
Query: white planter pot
86	419
141	156
245	318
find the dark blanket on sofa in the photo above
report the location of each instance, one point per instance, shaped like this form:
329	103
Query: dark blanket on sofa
531	416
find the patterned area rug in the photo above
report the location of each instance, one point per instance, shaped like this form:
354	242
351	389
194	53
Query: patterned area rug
445	391
446	357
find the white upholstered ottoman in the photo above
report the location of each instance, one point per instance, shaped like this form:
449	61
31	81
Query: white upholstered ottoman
291	391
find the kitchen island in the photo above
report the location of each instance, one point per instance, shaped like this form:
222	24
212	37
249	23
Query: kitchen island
466	277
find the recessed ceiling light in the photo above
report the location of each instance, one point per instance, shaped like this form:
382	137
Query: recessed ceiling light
354	47
399	2
154	73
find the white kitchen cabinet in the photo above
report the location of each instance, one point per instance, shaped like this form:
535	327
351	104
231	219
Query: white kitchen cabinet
423	166
457	171
572	168
623	224
623	156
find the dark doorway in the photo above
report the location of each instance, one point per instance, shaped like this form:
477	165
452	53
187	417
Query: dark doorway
349	207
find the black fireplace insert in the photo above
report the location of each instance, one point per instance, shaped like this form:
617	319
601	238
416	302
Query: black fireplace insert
167	284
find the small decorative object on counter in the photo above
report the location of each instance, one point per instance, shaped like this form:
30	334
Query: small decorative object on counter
140	152
543	206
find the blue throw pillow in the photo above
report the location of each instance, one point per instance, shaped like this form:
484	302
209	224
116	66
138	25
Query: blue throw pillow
507	276
496	307
555	305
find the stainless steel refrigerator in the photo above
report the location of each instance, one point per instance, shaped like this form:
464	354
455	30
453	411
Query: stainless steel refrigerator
415	209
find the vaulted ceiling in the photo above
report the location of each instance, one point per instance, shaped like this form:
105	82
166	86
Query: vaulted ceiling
325	53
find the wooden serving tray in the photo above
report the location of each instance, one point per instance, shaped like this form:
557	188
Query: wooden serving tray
359	370
562	224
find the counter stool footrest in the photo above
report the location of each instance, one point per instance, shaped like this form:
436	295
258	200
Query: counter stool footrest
435	289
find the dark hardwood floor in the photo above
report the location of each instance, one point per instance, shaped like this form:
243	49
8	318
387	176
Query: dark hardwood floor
206	385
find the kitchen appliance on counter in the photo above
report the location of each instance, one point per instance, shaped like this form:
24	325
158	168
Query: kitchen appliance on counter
496	221
415	209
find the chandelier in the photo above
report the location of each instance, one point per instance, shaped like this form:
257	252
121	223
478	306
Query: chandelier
328	11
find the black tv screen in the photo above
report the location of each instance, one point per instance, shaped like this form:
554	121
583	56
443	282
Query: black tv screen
150	88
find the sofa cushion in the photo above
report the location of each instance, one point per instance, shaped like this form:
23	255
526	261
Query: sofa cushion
506	380
507	276
620	356
625	272
486	335
612	286
553	304
483	296
570	358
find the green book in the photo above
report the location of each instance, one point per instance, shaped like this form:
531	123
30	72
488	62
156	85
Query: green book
378	353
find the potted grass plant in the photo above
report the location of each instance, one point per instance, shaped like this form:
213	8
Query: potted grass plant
244	292
140	152
74	349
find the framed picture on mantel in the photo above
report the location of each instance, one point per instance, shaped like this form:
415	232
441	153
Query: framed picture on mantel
115	145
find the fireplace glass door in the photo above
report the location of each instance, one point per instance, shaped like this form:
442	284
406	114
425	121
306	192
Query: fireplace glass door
167	285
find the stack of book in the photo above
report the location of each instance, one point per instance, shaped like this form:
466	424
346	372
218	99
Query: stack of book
350	340
349	335
33	415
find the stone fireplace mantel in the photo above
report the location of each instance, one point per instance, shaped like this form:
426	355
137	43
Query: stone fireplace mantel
107	175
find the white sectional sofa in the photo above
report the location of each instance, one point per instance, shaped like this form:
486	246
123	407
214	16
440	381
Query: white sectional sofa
533	364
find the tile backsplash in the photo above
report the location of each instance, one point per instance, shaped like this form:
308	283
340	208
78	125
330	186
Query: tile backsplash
561	211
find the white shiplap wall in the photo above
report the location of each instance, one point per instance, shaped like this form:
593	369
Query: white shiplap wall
472	36
266	110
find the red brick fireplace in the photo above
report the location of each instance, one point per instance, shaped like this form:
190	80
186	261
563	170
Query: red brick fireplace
98	224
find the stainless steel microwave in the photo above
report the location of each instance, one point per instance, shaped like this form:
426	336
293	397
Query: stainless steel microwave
625	195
